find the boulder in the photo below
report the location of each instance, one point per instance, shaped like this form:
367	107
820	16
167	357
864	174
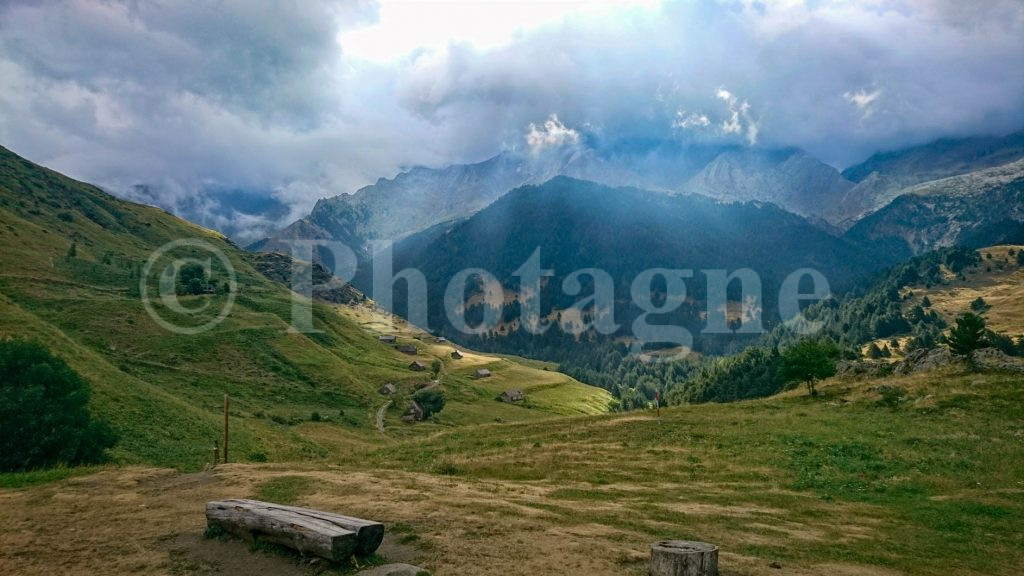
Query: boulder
993	359
869	368
923	360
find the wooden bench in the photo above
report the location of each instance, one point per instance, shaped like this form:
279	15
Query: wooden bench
323	534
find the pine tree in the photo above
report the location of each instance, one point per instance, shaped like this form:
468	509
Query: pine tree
968	335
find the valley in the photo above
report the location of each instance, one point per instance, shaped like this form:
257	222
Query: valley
488	288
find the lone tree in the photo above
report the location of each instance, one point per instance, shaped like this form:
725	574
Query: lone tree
968	335
431	400
43	412
809	361
193	278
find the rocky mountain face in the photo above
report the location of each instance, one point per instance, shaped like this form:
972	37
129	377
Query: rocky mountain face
420	198
884	176
980	208
415	200
789	178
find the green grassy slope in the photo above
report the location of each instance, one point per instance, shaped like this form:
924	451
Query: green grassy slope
842	484
164	391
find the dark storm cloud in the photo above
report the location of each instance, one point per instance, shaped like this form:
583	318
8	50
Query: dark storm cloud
841	80
188	97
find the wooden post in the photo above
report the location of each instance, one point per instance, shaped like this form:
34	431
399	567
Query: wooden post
683	558
227	404
216	453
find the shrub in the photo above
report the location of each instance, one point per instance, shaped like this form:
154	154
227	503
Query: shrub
44	412
891	395
431	400
315	416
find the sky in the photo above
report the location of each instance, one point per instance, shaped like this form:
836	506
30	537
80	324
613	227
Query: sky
293	101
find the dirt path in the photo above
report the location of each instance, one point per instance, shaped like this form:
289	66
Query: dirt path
380	417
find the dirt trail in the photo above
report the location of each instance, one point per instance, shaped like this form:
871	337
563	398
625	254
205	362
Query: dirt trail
380	417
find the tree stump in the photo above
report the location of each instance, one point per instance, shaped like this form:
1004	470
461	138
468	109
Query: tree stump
684	558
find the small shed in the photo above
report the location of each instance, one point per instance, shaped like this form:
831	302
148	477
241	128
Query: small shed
407	349
440	340
417	366
387	389
414	413
456	355
512	396
482	373
387	338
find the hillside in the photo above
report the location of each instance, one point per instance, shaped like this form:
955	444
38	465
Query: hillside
578	225
843	485
885	175
976	209
71	279
997	278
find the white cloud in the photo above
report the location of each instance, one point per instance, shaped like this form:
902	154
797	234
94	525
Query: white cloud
863	100
736	121
404	28
283	99
551	134
689	120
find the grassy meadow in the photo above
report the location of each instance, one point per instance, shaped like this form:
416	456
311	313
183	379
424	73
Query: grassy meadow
844	484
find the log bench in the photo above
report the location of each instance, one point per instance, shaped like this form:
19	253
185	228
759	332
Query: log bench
325	534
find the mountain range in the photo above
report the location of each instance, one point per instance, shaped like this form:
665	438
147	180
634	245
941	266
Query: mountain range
835	201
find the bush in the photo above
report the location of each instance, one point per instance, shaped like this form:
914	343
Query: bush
891	395
44	412
431	400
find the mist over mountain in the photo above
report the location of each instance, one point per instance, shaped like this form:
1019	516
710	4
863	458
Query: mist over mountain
420	198
243	215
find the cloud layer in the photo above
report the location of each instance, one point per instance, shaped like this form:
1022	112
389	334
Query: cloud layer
195	97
